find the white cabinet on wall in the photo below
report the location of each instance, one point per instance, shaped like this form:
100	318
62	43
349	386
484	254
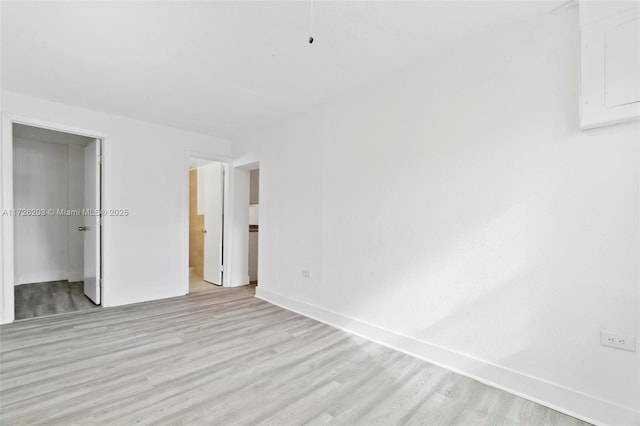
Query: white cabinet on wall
610	91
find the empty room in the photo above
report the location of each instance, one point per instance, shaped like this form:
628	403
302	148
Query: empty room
316	212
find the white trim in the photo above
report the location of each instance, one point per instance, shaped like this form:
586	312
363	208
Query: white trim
42	277
8	276
250	163
7	282
552	395
226	239
238	268
17	119
48	276
75	276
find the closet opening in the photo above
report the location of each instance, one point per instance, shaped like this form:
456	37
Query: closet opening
57	221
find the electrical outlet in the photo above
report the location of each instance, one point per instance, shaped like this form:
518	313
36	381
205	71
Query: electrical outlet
306	273
617	341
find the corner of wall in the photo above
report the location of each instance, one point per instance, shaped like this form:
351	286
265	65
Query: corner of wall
568	401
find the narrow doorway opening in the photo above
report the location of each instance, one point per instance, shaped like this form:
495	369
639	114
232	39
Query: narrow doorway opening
57	200
254	213
206	224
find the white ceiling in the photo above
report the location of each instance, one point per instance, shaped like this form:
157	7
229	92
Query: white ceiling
215	67
49	136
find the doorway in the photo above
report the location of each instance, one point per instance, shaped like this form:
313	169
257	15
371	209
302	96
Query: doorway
254	213
206	224
57	221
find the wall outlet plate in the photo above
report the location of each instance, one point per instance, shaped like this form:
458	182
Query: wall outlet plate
306	273
618	341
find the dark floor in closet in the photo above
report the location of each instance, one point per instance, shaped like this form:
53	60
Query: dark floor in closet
54	297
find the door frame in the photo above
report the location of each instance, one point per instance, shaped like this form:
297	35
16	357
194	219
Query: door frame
226	211
7	257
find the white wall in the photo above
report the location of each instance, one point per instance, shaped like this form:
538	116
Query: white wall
239	224
254	200
458	206
75	263
41	181
144	172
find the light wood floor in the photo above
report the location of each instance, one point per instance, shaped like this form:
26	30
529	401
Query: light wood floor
224	357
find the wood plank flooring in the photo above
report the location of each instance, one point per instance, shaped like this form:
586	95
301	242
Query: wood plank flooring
223	357
54	297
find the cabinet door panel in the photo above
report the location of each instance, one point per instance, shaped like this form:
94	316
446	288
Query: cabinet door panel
610	88
622	65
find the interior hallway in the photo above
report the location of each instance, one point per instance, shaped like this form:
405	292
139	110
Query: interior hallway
224	356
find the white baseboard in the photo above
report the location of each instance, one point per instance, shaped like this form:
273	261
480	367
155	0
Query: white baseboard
239	283
568	401
44	277
41	277
73	277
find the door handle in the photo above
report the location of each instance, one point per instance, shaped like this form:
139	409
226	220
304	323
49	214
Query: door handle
83	228
204	231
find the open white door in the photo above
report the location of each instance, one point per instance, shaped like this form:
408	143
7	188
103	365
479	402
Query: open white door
91	226
213	200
